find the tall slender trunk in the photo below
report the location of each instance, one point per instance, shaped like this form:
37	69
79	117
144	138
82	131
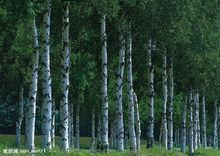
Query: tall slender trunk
131	126
170	108
204	141
215	137
119	107
137	123
183	129
104	127
47	99
164	110
77	128
53	123
150	131
99	133
70	127
93	130
20	117
65	61
26	119
195	125
218	127
191	140
198	122
33	93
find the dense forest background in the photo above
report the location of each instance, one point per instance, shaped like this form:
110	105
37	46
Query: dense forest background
189	31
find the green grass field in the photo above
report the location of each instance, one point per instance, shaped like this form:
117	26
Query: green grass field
8	142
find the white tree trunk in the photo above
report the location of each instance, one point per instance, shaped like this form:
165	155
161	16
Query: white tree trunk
183	129
164	110
104	127
20	117
137	123
77	128
191	103
119	107
150	131
65	61
218	125
26	119
93	130
99	133
70	127
195	123
198	122
53	123
33	93
47	95
215	137
170	108
204	141
131	126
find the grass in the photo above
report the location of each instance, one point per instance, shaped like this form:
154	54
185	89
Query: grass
8	141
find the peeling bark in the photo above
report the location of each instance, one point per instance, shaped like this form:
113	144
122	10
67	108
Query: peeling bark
164	109
119	96
65	62
131	127
150	122
204	140
170	107
183	125
105	118
33	93
191	140
215	137
137	123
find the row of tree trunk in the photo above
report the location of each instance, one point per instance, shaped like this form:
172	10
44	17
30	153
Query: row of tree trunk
196	136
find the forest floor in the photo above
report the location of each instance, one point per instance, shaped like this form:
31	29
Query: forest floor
8	142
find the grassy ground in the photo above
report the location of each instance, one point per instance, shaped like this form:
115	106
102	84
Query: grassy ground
8	141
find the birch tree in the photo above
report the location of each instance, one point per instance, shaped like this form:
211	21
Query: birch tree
70	127
170	107
204	142
65	62
150	131
33	93
183	125
218	127
164	109
20	117
53	123
131	127
198	122
47	92
215	128
137	123
119	97
191	140
195	122
104	127
99	133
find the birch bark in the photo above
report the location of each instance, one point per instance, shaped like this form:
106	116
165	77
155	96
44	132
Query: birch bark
33	93
150	131
131	127
119	97
65	62
105	118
